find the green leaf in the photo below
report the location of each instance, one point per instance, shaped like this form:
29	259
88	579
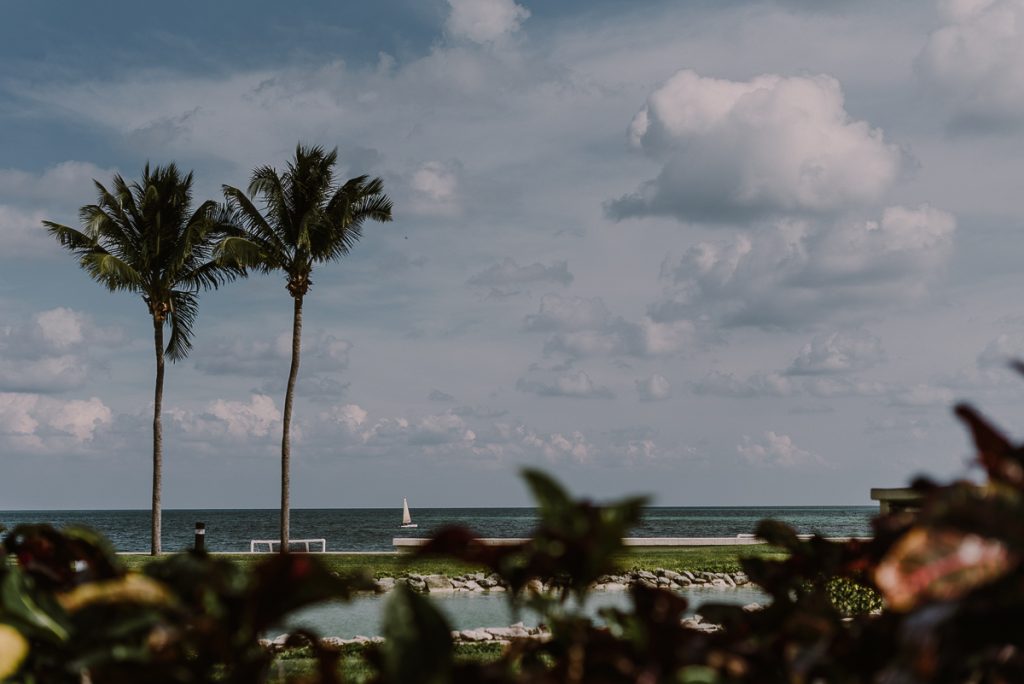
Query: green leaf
551	498
17	603
418	641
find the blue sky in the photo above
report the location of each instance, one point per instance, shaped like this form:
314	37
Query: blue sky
743	252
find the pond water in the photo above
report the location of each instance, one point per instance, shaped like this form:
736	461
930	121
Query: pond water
470	610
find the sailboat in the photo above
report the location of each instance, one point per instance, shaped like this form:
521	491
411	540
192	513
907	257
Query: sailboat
406	518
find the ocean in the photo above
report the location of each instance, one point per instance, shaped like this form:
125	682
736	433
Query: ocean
372	529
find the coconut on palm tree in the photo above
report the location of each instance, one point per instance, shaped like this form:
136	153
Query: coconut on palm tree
305	218
144	237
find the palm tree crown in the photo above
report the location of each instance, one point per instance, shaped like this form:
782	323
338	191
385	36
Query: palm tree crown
143	237
306	218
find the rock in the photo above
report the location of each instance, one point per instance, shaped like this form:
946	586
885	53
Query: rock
471	585
517	631
729	580
683	581
475	635
752	607
458	584
610	586
478	577
438	583
497	587
672	575
699	625
718	582
332	643
535	586
485	583
664	582
649	576
385	584
740	579
688	575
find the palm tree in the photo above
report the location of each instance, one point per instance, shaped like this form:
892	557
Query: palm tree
144	237
306	219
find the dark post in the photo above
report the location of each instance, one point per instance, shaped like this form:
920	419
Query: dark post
200	537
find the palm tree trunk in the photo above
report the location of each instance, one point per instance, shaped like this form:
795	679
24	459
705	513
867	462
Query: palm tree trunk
286	448
158	436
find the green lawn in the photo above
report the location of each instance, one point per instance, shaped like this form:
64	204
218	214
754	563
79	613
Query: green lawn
353	668
692	558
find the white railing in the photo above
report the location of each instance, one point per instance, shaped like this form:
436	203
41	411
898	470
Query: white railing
271	542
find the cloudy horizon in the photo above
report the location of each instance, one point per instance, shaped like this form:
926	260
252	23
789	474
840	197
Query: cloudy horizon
725	253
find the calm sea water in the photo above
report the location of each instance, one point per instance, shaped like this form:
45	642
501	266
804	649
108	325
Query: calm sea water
372	529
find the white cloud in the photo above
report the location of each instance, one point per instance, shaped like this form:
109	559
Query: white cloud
838	352
585	327
773	144
922	395
977	59
40	423
233	420
799	272
81	418
435	189
576	385
654	388
485	21
68	181
775	450
51	352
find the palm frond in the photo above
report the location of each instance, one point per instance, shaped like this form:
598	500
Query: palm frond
182	318
111	271
255	225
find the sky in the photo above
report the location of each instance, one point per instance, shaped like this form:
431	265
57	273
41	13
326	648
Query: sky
741	252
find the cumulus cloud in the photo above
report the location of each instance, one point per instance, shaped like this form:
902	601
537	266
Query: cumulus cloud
576	385
799	272
51	351
583	327
485	21
39	423
27	198
977	59
838	352
775	450
736	149
654	388
435	189
508	275
234	420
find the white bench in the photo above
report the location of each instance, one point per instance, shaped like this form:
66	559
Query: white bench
271	542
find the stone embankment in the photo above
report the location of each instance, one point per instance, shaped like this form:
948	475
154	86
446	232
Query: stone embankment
495	635
483	582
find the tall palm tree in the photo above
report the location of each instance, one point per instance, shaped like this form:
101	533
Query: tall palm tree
144	237
306	219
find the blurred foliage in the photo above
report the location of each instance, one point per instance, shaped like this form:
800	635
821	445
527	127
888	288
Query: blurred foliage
933	597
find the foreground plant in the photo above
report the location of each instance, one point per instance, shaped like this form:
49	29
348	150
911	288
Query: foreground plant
144	237
70	614
306	219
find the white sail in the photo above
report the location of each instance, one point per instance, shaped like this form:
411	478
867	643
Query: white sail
406	517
